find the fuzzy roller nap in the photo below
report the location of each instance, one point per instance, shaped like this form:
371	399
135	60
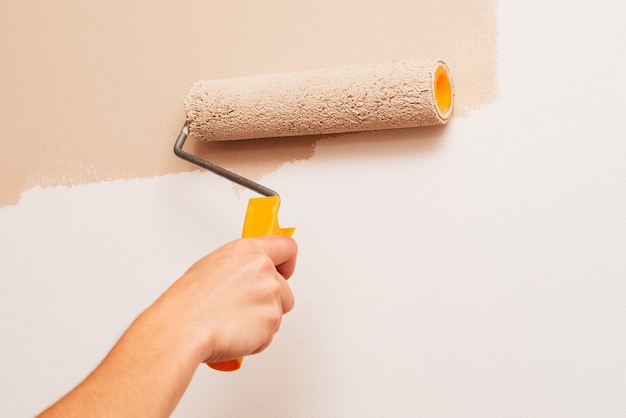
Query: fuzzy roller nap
344	99
366	97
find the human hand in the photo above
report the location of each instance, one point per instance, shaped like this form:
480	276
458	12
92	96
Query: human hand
227	305
230	303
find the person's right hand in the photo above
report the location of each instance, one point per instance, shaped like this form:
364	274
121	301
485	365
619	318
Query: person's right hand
230	303
227	305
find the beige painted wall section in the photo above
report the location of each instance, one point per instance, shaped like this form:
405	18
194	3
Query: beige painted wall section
92	91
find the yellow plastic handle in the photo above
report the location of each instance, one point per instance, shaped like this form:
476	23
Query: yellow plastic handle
261	219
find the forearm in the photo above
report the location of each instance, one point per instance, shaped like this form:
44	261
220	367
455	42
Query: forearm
144	375
227	305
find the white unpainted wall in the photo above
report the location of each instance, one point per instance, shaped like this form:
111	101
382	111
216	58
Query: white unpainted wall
476	270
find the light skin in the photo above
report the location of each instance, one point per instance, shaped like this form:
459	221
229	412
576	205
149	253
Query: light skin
228	305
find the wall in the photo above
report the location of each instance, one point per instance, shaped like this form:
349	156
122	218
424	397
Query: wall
472	270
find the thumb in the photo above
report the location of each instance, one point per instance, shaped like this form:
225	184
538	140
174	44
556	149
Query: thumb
282	251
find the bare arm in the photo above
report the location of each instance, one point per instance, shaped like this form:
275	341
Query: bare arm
227	305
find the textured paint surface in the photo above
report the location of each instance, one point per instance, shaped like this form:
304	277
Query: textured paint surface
364	97
93	91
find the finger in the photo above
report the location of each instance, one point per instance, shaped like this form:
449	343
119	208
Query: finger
264	346
282	251
287	300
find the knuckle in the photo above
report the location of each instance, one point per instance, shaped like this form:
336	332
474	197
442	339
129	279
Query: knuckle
263	267
271	287
273	318
266	265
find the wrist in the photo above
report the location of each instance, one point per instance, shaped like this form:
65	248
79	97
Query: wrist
166	339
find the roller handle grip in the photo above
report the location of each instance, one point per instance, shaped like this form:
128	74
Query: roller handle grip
261	220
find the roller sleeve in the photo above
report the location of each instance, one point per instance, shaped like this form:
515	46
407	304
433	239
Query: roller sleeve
398	94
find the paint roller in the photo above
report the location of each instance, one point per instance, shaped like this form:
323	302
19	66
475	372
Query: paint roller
364	97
